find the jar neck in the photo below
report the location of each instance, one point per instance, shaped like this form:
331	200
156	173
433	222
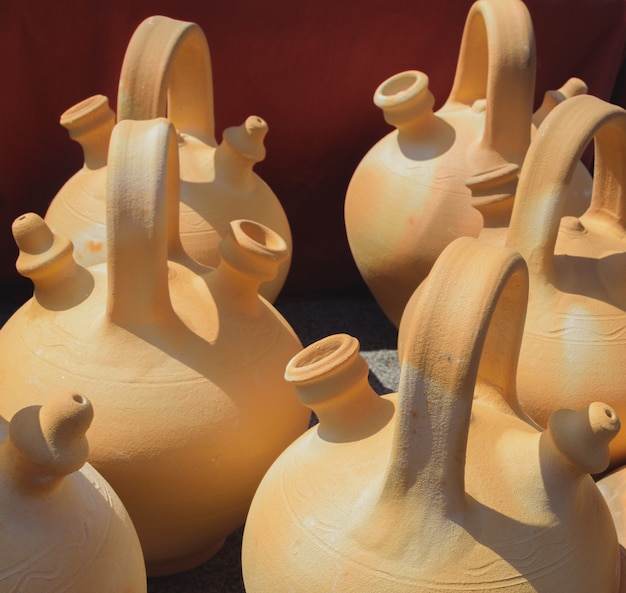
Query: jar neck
331	378
90	123
406	101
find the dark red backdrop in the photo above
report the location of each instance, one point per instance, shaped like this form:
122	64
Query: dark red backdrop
309	67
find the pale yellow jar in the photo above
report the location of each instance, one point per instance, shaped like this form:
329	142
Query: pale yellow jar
167	72
447	485
450	173
184	363
63	528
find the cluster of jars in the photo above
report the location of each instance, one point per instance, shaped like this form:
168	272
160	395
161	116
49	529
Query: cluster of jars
482	237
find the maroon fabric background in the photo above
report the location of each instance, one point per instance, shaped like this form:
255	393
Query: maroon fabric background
309	67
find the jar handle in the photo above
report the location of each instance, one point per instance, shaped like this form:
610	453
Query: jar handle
167	72
549	167
466	328
142	213
496	72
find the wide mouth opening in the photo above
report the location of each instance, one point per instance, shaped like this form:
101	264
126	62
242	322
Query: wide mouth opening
322	358
86	107
400	88
252	233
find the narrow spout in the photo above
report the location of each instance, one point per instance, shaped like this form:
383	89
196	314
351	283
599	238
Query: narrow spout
572	87
331	378
90	123
47	259
582	437
241	148
248	138
48	442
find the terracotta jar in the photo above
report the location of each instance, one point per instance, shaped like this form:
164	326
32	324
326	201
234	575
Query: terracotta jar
63	527
450	173
574	343
447	485
184	363
167	72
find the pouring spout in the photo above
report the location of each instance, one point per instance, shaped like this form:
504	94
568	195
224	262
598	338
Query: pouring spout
581	438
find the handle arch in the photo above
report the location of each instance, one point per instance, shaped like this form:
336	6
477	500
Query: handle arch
496	72
548	170
467	326
167	72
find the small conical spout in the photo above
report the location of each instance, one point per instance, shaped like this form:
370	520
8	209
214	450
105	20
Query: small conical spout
241	148
247	139
48	442
573	87
90	123
47	259
582	437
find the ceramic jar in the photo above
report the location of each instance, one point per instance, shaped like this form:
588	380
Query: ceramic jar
167	72
454	172
574	343
184	363
447	485
63	527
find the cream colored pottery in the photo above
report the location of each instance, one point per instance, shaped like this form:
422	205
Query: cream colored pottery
63	528
447	485
167	71
574	344
613	488
184	364
450	173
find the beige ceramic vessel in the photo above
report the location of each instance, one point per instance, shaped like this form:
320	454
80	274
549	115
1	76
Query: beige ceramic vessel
184	363
167	72
63	528
574	344
446	486
451	173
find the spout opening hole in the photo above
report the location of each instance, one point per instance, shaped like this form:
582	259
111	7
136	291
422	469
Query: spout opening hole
79	399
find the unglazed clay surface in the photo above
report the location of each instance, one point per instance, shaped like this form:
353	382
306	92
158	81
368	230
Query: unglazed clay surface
447	485
183	362
574	343
575	334
451	173
63	527
167	72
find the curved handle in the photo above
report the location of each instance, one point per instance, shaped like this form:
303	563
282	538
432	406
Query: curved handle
467	326
549	167
142	215
167	72
496	72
